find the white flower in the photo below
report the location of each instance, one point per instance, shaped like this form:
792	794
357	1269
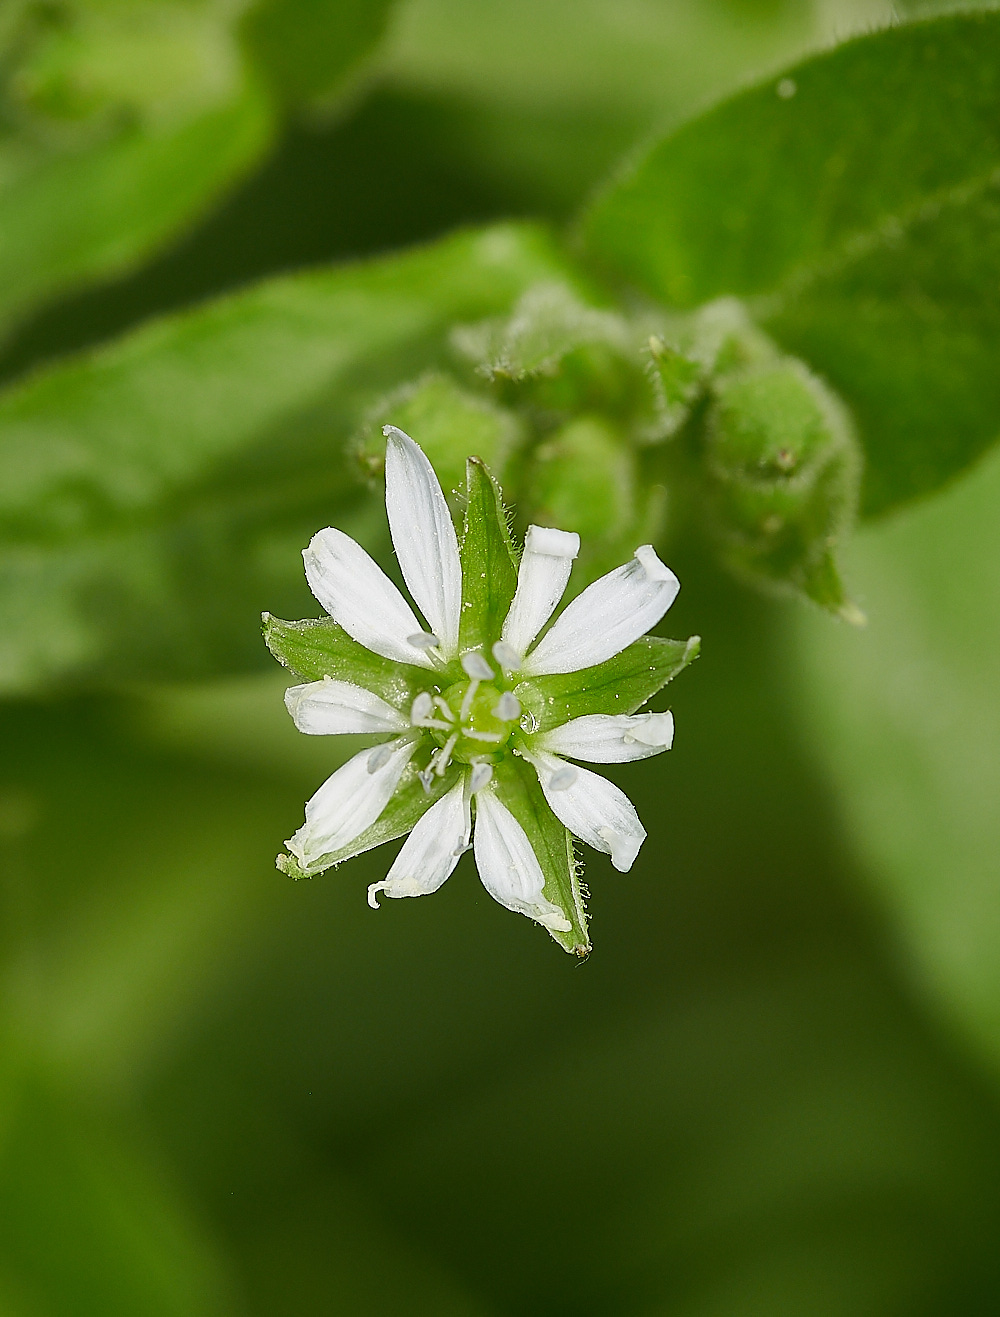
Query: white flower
467	710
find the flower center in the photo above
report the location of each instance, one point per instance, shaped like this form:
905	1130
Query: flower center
484	720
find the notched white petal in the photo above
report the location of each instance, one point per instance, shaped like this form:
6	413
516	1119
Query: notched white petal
608	616
336	708
431	851
593	809
541	582
507	864
602	738
423	536
356	592
348	802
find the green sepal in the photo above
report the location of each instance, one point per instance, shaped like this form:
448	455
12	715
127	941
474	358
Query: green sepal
320	647
620	685
489	560
518	788
403	812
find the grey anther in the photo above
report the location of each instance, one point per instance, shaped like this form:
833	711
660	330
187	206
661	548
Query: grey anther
507	656
562	778
420	708
476	667
480	776
508	707
379	757
423	640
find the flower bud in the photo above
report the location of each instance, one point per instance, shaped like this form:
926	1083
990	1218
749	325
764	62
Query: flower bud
586	476
783	469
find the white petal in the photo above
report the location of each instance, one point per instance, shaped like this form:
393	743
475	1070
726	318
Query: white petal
355	591
508	867
423	535
607	738
608	616
431	851
348	802
594	810
541	581
332	708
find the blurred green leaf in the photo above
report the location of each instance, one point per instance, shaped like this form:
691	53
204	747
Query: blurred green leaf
309	49
154	495
123	124
904	717
862	183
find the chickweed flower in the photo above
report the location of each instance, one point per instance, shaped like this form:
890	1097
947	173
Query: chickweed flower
478	708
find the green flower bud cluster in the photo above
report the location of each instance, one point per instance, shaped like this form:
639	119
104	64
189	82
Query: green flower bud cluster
596	419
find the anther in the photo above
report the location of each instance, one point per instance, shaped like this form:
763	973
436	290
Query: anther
480	776
562	778
508	707
476	667
420	708
379	757
423	640
507	656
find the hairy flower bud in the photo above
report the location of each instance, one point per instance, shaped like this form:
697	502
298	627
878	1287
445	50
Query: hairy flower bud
783	469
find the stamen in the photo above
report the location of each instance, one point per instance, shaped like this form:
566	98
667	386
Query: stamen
420	708
493	738
476	667
480	776
562	778
445	708
379	757
441	759
507	656
508	707
423	640
467	699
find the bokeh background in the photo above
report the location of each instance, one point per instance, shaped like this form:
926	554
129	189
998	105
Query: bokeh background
774	1088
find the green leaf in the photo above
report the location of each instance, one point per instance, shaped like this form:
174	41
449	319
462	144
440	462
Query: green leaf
409	804
311	50
320	647
907	332
518	788
872	253
620	685
154	495
77	215
489	561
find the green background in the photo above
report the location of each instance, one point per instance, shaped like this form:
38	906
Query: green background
773	1088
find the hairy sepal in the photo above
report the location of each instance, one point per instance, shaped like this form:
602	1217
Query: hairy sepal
622	684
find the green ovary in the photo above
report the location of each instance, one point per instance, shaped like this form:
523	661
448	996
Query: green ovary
481	734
